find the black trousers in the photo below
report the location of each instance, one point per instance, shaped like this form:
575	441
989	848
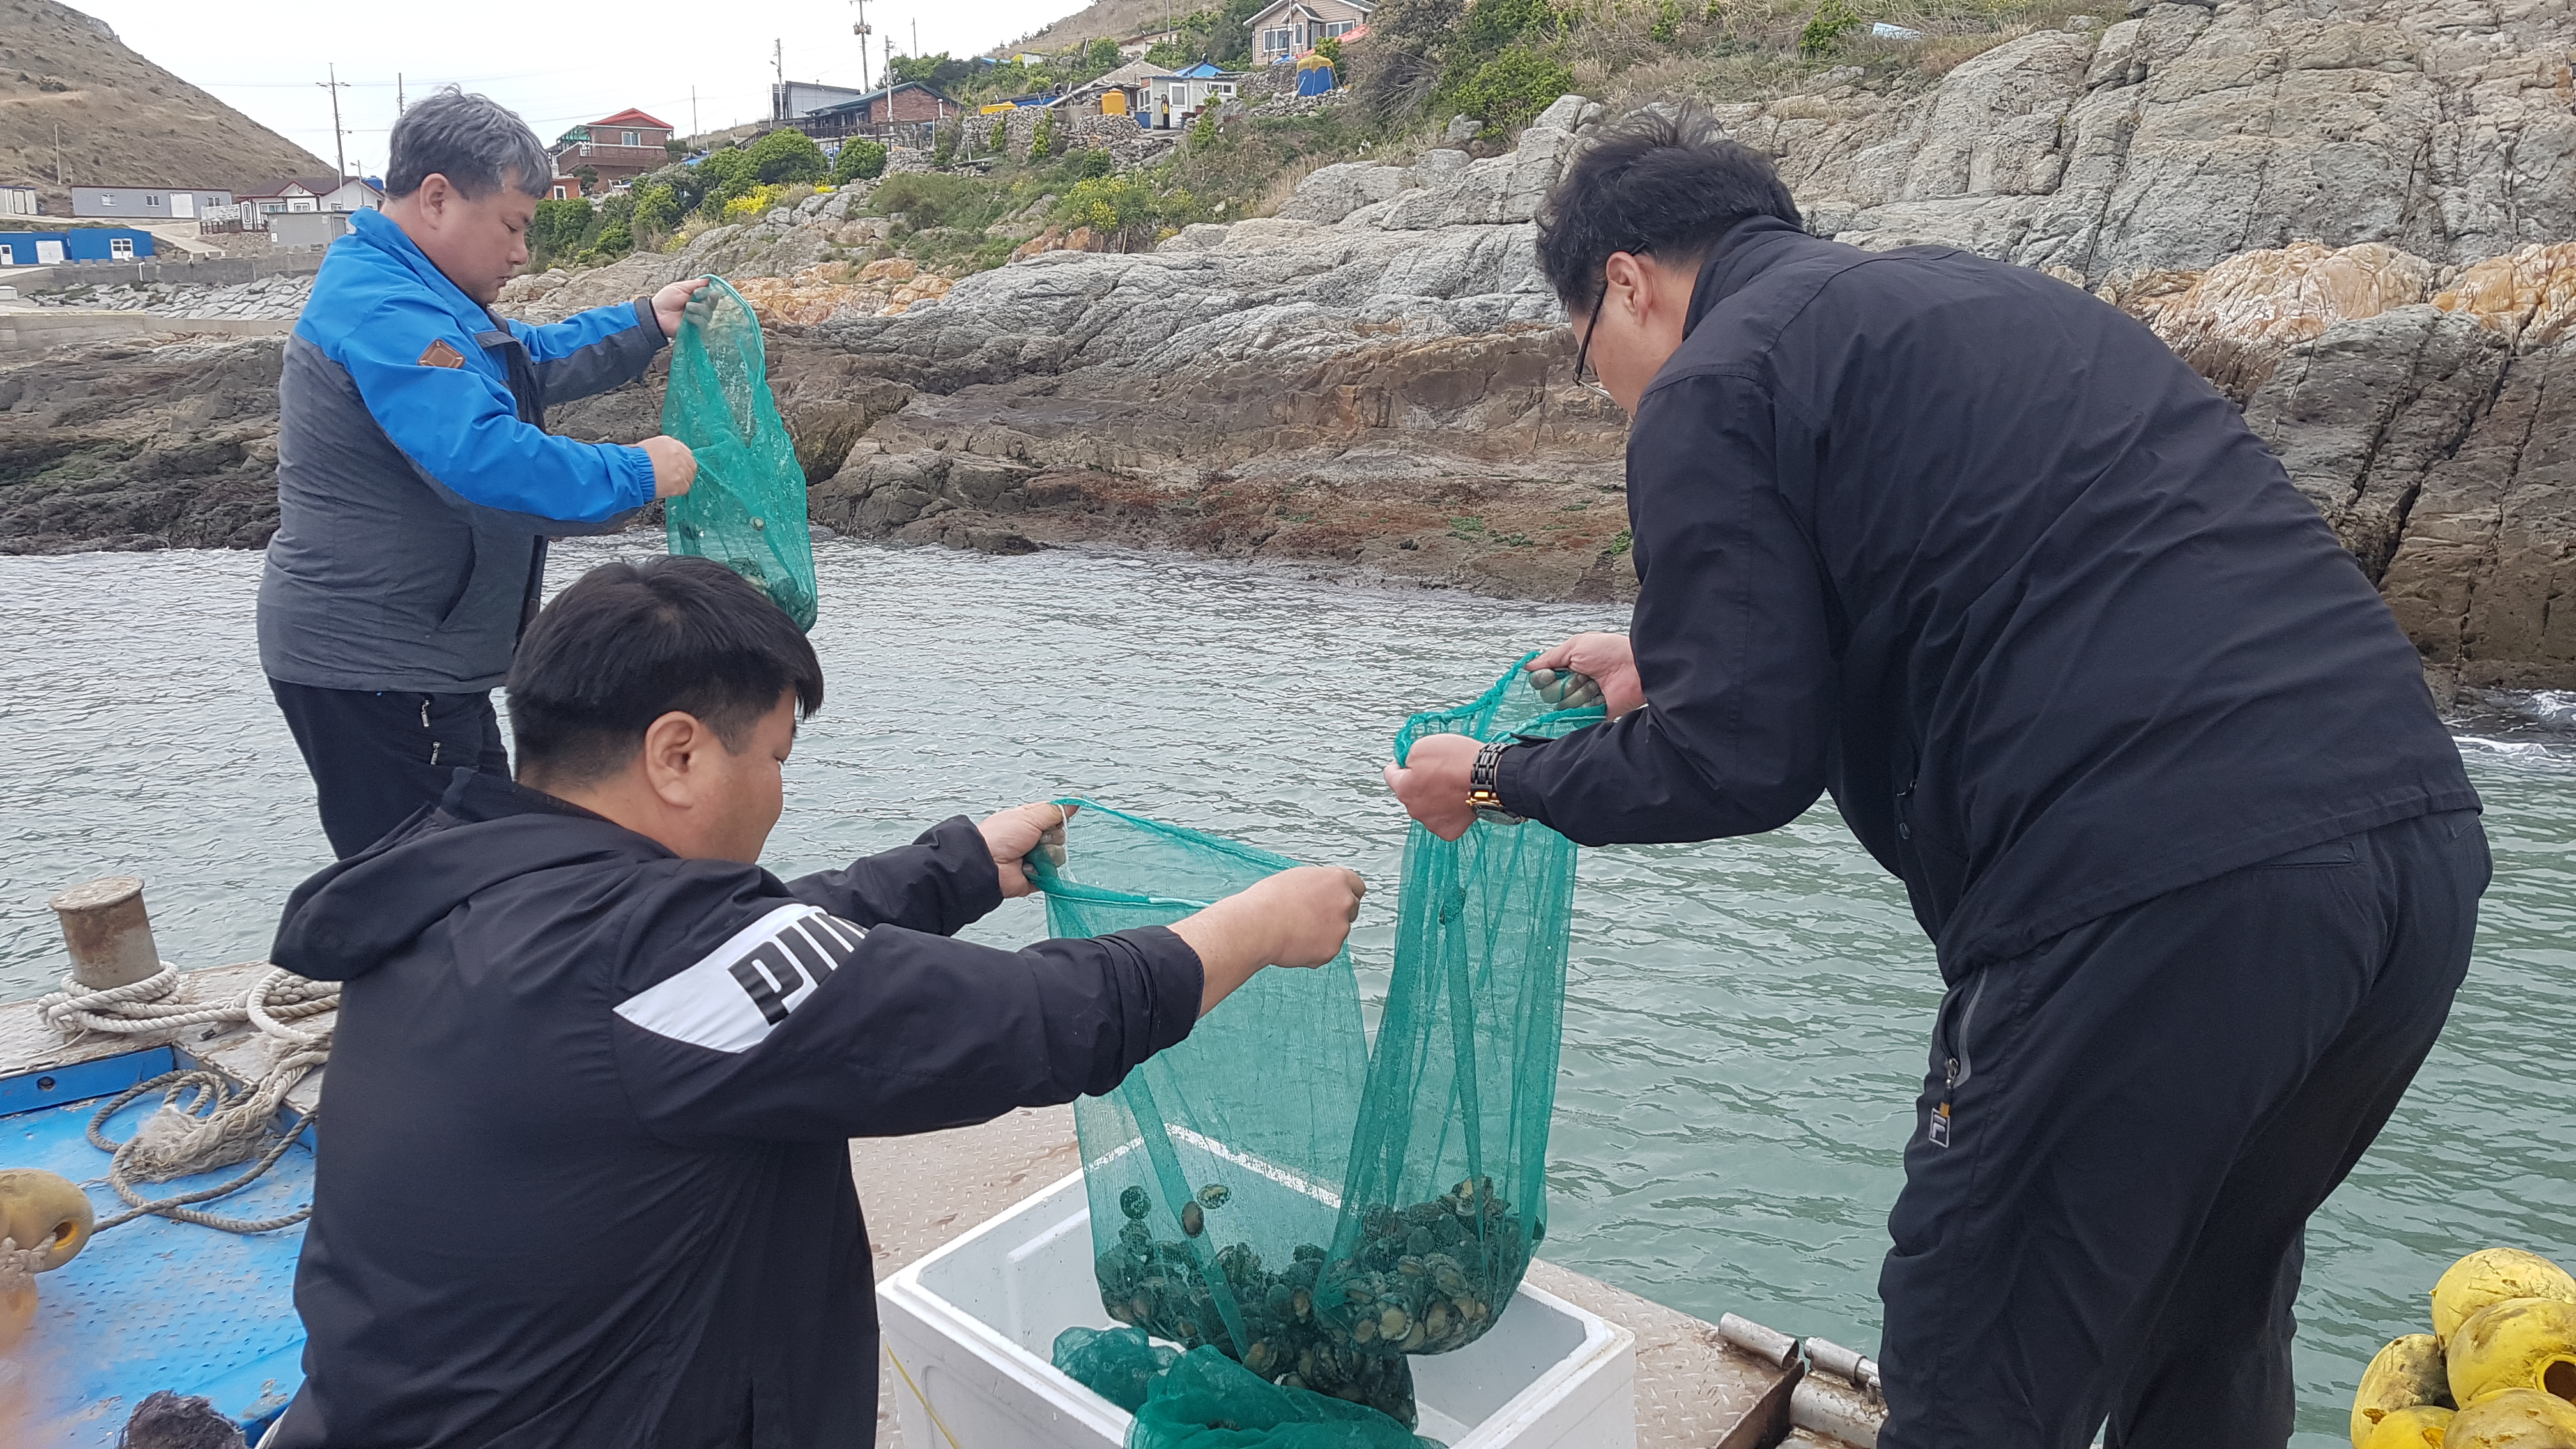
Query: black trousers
377	758
2123	1135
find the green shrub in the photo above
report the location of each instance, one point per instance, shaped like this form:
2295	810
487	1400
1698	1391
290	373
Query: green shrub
657	208
1042	144
787	157
1101	56
723	176
614	241
1096	163
1825	29
1668	23
943	147
1512	87
1330	48
859	161
931	199
1126	208
1001	136
558	228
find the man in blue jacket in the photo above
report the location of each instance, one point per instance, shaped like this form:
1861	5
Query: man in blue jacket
1979	555
587	1179
416	483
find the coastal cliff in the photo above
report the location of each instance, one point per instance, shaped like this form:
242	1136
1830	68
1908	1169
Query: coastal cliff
2355	218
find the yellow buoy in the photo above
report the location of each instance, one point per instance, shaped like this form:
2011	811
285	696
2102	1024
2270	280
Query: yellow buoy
46	1214
2406	1373
2522	1343
2420	1427
2494	1275
2514	1419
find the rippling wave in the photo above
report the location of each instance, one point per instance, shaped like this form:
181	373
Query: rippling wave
1746	1020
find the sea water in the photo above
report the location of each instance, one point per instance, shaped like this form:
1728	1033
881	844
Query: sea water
1745	1028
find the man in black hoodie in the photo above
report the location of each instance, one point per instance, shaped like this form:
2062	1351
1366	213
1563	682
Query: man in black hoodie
585	1179
1978	554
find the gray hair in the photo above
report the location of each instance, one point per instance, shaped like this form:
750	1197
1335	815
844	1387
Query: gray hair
474	141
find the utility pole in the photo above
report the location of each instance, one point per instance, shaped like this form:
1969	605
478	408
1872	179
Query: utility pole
400	104
339	138
695	131
916	37
861	30
58	159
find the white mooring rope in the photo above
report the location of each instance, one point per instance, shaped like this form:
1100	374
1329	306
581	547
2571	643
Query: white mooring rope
220	1123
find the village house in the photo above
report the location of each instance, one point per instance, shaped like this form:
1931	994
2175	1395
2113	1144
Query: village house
1119	93
880	112
89	244
155	203
1136	45
311	193
1174	100
789	100
616	148
1290	28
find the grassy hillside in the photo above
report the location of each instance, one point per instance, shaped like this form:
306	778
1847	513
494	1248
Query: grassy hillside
125	121
1115	19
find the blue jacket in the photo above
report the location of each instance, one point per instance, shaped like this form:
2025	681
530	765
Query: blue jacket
416	483
1978	554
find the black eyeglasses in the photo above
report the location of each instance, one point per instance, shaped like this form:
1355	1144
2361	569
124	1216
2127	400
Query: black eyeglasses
1594	386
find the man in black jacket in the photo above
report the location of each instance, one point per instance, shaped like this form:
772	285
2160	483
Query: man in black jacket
586	1180
1979	555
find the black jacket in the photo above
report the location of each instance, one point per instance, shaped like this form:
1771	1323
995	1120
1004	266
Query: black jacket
584	1175
1980	555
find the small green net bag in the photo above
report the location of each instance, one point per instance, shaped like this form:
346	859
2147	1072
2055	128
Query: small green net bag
1207	1401
1446	1196
747	508
1214	1171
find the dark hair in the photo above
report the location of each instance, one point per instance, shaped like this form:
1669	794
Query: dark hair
1663	182
631	642
477	143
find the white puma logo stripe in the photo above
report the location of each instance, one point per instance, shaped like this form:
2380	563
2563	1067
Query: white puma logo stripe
734	998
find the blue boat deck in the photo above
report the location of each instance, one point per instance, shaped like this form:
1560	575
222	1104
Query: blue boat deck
152	1304
157	1304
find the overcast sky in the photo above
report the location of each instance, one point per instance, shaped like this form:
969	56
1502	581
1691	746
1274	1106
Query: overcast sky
556	63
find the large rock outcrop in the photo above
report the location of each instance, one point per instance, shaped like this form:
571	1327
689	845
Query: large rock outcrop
2446	459
2191	132
1376	376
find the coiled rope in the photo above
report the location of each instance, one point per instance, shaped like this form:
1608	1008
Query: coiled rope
220	1122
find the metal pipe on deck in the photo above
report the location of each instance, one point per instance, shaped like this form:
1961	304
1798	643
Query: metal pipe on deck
1769	1345
108	932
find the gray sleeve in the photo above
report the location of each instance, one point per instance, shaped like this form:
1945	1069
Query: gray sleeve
613	361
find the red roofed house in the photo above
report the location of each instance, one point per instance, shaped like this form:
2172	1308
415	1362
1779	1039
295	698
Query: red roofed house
619	148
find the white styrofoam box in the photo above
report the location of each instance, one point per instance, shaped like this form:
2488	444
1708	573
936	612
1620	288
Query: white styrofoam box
972	1327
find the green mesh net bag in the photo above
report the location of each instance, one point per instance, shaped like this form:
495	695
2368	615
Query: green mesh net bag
747	508
1272	1190
1118	1364
1214	1171
1445	1199
1208	1401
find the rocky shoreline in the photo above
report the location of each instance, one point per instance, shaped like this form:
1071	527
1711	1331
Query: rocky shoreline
1377	379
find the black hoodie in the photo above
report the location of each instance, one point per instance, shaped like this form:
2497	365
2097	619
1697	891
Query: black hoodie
584	1176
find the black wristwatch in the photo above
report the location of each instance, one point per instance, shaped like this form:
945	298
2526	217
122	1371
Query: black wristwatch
1484	784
